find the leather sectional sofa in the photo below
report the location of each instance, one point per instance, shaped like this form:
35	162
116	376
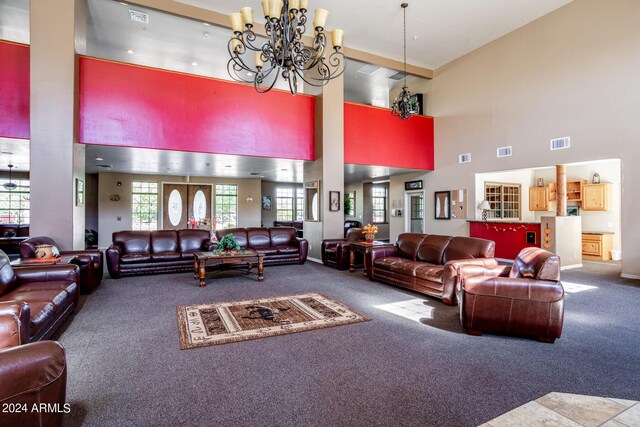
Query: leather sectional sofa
429	263
337	252
40	298
162	251
89	261
524	299
280	245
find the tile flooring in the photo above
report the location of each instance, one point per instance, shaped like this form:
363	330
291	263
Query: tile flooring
572	410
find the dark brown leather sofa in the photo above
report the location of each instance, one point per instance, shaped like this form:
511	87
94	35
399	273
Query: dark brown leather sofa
162	251
337	252
280	245
428	263
32	374
10	237
89	261
41	298
524	299
298	225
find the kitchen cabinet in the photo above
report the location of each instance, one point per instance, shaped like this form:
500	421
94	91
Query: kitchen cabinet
596	197
597	246
539	199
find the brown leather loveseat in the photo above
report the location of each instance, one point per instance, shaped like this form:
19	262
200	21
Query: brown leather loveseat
428	263
280	245
162	251
41	298
89	261
524	299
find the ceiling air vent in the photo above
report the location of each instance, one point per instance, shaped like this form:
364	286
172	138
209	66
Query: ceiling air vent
560	143
105	166
254	173
398	76
368	69
504	151
464	158
137	16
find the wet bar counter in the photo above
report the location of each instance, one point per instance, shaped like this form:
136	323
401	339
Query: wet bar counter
510	236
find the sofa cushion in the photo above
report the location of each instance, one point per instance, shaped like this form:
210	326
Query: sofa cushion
258	238
398	265
193	240
70	288
163	241
432	248
468	247
132	242
59	298
41	316
240	235
282	236
430	272
408	244
290	250
135	258
267	251
167	256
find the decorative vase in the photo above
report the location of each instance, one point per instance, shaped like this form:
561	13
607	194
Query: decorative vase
44	251
369	237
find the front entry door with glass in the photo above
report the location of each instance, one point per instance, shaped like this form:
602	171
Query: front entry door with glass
416	218
182	202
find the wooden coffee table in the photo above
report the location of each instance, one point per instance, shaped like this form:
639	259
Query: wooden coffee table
212	259
364	248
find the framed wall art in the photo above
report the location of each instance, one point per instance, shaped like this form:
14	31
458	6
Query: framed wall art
442	205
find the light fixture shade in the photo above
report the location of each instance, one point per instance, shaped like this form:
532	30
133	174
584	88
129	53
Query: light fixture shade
484	205
403	107
249	199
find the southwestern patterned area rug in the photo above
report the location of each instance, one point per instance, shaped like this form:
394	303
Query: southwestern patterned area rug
221	323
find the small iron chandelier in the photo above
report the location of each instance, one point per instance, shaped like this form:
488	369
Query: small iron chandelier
284	53
402	106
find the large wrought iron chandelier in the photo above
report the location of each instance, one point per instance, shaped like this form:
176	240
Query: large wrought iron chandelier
403	106
284	53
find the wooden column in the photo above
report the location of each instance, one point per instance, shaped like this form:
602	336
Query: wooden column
561	180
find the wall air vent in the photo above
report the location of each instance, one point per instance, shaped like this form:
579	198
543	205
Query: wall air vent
504	151
560	143
464	158
137	16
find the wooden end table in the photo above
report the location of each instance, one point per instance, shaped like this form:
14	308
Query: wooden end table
364	248
212	259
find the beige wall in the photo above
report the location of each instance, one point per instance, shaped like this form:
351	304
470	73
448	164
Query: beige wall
269	189
573	72
357	187
110	211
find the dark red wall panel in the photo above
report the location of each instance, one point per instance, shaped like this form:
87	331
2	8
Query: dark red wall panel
510	238
14	90
134	106
372	136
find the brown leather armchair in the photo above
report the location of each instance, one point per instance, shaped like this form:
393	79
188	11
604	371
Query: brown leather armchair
33	375
90	261
336	252
524	299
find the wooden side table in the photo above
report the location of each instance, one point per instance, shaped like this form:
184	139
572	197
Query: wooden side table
365	249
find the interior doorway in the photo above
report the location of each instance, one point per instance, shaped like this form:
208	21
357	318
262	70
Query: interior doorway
182	202
414	212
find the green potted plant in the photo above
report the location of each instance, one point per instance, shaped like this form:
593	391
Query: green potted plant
228	244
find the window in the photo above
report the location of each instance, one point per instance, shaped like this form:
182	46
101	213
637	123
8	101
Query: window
417	207
227	205
379	204
14	204
350	203
504	200
299	204
284	204
144	206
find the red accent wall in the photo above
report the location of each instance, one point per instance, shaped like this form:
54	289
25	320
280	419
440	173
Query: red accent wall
134	106
372	136
14	90
510	238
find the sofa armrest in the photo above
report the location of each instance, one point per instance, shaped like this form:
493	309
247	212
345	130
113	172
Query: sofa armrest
375	253
331	243
48	273
303	246
34	374
470	270
96	256
113	261
514	288
15	318
451	274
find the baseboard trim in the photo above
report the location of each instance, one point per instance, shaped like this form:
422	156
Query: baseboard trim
568	267
630	276
319	261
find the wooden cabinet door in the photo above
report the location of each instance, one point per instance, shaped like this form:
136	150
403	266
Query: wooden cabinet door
592	248
595	197
538	199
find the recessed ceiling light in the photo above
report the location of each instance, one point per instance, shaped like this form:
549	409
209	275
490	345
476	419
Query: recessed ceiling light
99	158
207	164
194	63
124	4
206	24
261	176
130	52
249	74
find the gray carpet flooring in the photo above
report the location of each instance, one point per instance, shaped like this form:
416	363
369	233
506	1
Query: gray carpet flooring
125	367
